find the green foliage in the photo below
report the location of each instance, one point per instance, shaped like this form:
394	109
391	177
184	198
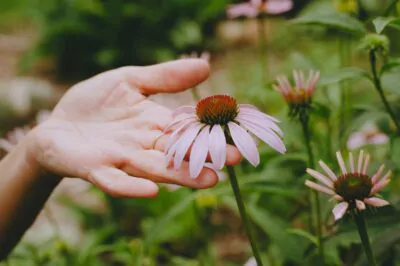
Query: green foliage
87	36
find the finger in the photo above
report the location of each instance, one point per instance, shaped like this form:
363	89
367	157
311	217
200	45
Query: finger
153	165
233	156
174	76
119	184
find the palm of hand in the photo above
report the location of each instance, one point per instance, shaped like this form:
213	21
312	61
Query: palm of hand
104	130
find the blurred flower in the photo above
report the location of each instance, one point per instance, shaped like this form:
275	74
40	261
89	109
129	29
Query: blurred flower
374	42
352	189
16	135
208	126
346	6
253	8
204	55
298	96
368	135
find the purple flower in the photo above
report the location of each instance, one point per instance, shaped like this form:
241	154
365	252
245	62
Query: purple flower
214	122
368	135
353	189
253	8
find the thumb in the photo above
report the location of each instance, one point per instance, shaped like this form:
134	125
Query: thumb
174	76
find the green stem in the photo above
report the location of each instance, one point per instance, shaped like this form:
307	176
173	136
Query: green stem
304	120
362	231
378	86
243	214
263	50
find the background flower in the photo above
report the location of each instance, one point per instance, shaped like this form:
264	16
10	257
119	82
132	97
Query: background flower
254	8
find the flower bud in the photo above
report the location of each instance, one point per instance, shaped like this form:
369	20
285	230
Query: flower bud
375	43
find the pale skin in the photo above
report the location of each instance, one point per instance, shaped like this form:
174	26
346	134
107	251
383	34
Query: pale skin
105	131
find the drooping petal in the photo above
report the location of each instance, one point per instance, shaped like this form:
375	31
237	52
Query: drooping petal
186	109
360	205
199	152
217	146
366	163
318	187
351	162
252	110
360	161
177	122
261	121
184	142
340	210
278	6
320	177
239	10
328	171
265	135
376	202
341	162
245	143
375	178
175	134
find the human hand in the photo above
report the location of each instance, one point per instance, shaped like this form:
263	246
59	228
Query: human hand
105	130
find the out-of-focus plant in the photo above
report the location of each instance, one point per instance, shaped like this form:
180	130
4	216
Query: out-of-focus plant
87	36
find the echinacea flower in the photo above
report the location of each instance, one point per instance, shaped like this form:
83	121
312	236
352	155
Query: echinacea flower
17	134
368	135
353	189
253	8
300	93
214	122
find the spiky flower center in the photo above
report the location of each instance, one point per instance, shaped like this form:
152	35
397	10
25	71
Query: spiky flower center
353	186
298	97
217	109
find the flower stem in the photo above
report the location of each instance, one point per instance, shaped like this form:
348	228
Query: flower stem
362	231
243	214
263	50
378	86
304	120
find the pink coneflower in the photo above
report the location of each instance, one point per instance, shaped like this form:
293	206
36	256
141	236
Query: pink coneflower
17	134
214	122
301	91
352	189
369	135
253	8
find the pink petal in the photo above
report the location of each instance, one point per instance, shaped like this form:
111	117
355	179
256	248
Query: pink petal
318	187
376	202
382	183
379	138
278	6
351	162
312	80
245	143
298	80
186	109
256	3
360	161
183	144
217	146
366	163
284	85
356	140
360	205
320	177
265	135
261	121
6	145
252	110
341	162
340	210
375	178
244	9
199	152
328	171
178	121
175	134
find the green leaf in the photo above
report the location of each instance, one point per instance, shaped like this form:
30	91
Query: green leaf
339	21
276	229
393	63
305	234
380	23
343	74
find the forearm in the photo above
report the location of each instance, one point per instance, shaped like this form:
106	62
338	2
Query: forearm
24	188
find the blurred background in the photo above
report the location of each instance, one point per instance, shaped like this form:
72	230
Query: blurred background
46	46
